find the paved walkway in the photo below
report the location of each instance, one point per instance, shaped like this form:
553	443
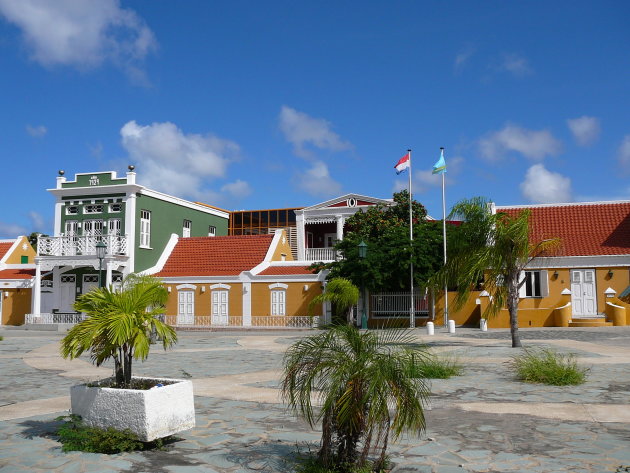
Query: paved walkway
483	421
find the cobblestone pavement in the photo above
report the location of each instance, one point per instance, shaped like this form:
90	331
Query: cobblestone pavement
482	421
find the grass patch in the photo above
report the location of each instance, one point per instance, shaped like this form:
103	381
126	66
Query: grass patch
437	367
74	435
548	367
309	463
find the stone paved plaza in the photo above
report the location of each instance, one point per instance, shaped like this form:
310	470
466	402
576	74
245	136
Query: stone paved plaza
483	421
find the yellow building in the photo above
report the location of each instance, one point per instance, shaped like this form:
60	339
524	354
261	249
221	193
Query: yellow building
578	284
17	269
245	280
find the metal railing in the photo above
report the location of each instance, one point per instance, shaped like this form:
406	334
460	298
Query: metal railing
396	304
53	318
320	254
81	245
207	321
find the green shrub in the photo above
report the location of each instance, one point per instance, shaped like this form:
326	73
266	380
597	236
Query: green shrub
74	435
437	367
548	367
309	463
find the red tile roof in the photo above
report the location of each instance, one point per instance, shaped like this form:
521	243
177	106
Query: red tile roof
4	247
216	256
584	229
283	270
17	273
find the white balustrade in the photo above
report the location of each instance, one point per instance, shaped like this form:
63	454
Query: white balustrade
320	254
205	322
81	245
54	318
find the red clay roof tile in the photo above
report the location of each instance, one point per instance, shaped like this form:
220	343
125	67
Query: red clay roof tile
283	270
17	273
216	256
584	229
4	247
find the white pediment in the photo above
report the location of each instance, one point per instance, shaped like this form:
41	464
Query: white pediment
349	201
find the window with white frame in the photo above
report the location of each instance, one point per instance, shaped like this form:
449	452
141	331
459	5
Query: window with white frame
535	284
186	229
93	209
72	210
278	302
212	230
145	228
115	208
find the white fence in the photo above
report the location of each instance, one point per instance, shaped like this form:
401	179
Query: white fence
201	322
81	245
320	254
70	318
397	304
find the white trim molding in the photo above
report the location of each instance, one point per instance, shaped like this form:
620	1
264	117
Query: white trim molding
185	287
168	249
278	286
220	286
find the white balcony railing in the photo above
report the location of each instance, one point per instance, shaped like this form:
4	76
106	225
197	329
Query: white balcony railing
81	245
201	322
55	318
320	254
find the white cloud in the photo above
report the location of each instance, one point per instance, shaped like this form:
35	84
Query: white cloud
317	181
545	187
516	65
462	57
36	131
533	144
301	129
37	221
238	189
82	33
623	155
12	230
585	129
177	163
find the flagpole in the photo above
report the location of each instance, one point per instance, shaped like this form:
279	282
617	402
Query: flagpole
412	312
444	239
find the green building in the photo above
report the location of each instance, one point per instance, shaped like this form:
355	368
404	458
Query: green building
129	224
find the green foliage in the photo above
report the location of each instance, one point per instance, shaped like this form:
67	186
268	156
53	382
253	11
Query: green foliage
548	367
74	435
120	324
1	338
493	248
437	367
311	464
361	380
385	230
341	293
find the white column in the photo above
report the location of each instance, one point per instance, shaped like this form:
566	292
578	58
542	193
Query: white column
301	236
37	290
56	287
130	230
340	222
108	274
247	304
57	231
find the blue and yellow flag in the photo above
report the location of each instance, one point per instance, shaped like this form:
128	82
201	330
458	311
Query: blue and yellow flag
440	166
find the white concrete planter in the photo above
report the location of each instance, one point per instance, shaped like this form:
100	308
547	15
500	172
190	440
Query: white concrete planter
153	413
483	325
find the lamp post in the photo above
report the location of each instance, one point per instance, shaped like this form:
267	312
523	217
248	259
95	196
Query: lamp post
362	255
100	254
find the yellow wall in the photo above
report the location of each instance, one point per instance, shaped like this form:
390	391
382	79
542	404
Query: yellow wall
16	256
297	299
15	305
203	300
282	248
533	311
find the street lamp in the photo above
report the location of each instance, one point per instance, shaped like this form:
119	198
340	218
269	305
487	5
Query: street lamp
362	255
100	254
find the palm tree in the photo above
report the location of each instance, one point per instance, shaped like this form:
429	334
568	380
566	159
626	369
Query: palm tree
362	380
494	248
119	324
342	294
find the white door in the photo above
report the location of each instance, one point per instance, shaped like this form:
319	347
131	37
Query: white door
583	294
219	307
92	228
329	240
90	281
186	307
67	290
278	302
70	245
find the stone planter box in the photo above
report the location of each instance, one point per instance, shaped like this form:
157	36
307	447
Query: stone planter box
151	414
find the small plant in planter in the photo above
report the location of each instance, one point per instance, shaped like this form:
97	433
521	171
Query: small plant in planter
119	327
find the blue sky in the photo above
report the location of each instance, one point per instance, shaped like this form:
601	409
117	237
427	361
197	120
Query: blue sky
247	104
